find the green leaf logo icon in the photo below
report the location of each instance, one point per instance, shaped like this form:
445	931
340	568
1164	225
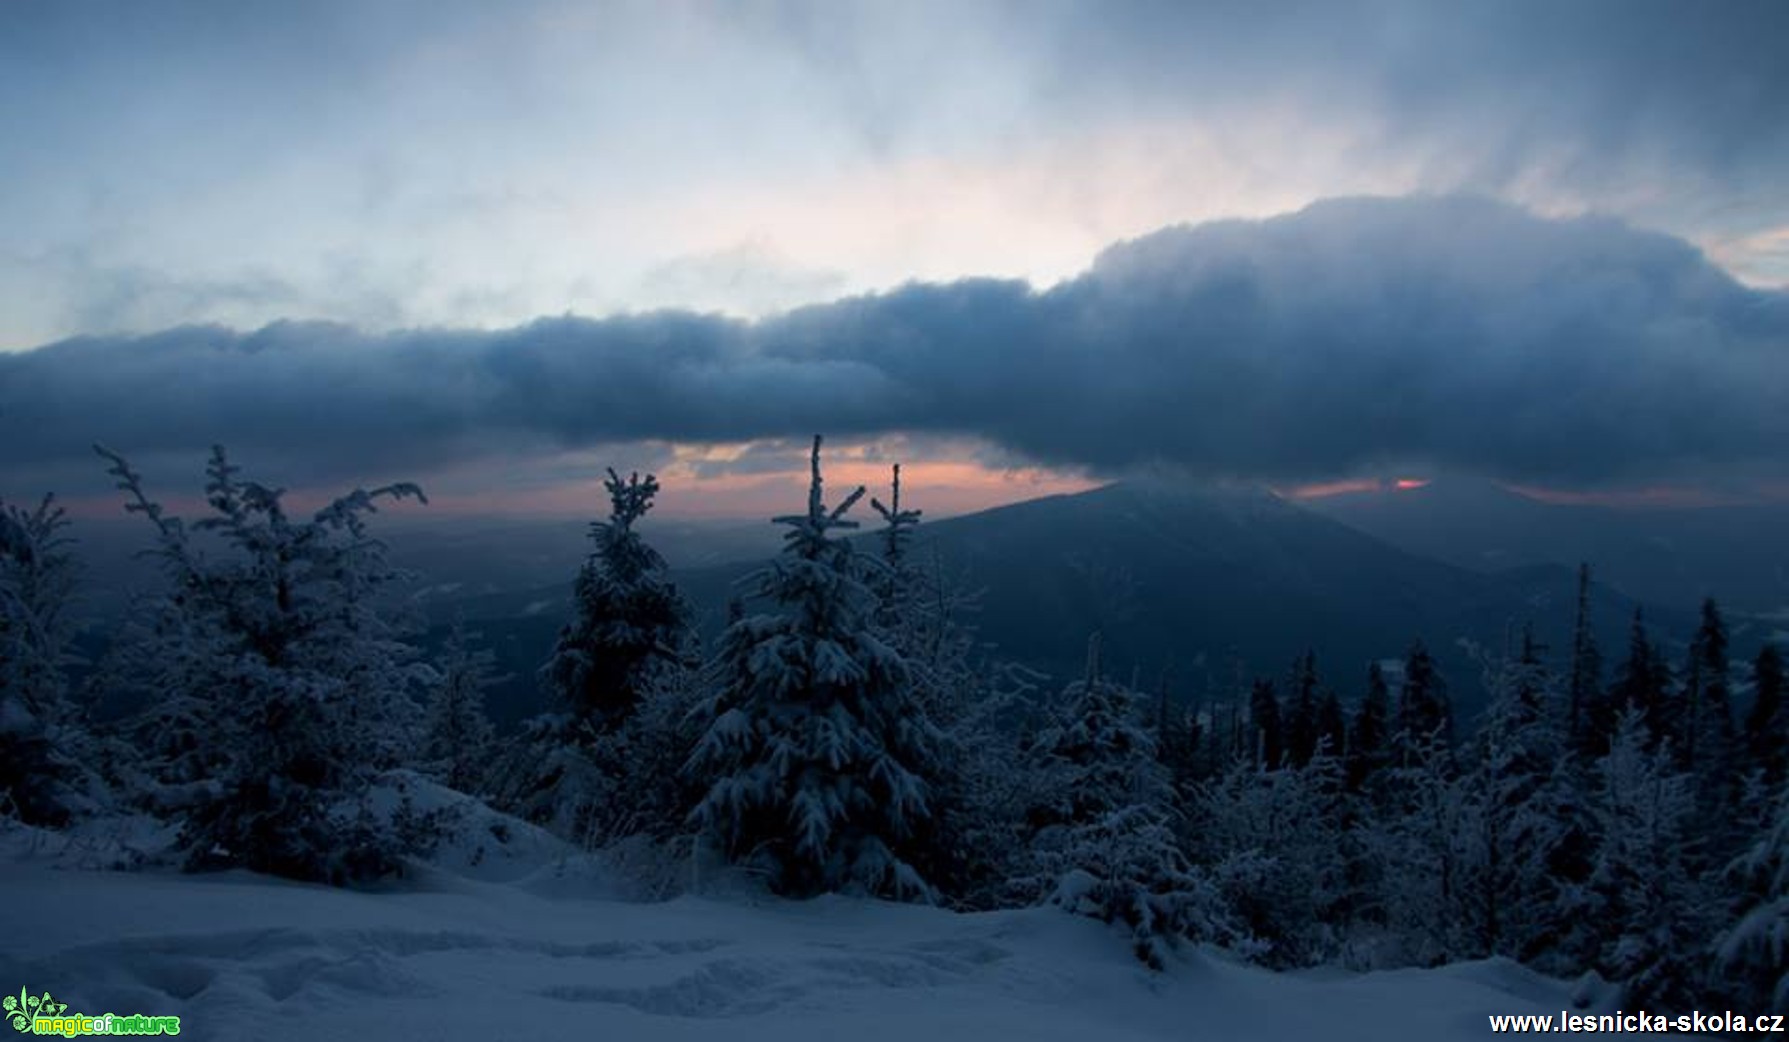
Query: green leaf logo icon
16	1011
22	1009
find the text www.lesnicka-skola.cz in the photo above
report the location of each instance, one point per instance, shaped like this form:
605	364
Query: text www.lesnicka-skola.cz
1682	1023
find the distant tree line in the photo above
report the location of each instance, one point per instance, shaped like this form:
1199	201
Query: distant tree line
851	735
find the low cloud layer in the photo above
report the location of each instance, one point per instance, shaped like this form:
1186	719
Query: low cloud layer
1354	335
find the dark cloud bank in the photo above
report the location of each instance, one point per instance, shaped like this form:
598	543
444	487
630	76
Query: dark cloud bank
1356	334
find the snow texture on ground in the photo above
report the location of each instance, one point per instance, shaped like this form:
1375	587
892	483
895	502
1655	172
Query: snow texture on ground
238	956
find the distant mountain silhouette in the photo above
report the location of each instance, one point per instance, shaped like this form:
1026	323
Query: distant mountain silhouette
1675	556
1192	579
1183	579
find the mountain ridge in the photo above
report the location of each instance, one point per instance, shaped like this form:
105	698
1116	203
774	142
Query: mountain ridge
1188	585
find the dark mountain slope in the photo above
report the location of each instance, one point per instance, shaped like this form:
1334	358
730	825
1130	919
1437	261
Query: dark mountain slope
1193	578
1666	555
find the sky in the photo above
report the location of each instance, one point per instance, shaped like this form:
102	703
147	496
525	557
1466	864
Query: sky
1022	246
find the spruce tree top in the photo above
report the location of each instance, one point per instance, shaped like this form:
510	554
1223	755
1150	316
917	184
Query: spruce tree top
817	561
807	535
898	523
629	619
626	554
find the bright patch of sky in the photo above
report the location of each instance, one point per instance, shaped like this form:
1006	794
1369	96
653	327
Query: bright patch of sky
398	164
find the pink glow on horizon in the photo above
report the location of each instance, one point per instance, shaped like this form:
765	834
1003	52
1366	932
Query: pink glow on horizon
1649	496
1322	489
939	488
1325	489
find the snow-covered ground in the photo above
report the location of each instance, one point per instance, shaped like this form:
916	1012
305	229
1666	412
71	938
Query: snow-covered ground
553	954
508	933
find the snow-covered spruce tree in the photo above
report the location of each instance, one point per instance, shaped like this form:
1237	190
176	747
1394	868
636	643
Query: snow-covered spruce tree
1753	951
1421	823
305	686
651	749
457	738
629	622
1103	836
44	779
160	663
625	645
1278	850
919	615
1656	909
989	845
924	612
1530	834
1423	841
977	784
816	751
897	587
